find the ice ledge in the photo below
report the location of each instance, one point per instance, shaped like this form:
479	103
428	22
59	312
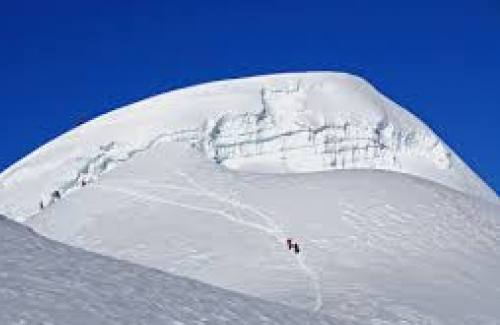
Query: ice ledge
288	133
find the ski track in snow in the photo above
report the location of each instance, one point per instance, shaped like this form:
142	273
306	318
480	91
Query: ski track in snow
270	227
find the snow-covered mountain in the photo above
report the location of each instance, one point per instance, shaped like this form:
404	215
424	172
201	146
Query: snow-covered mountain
279	123
208	182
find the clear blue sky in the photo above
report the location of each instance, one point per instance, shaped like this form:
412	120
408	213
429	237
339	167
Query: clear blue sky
64	61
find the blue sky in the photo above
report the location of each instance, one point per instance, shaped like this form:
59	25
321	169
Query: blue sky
63	62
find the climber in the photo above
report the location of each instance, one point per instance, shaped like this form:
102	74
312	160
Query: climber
56	195
289	243
296	248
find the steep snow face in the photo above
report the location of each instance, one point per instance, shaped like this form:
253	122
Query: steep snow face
44	282
300	122
376	247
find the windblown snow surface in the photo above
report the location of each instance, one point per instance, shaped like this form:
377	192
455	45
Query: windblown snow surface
208	182
45	282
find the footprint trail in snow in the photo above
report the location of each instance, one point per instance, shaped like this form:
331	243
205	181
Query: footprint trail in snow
269	227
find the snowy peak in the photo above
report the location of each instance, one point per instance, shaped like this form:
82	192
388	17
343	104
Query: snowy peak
380	240
298	122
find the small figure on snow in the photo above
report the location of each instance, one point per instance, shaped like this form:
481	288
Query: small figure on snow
56	195
296	248
289	243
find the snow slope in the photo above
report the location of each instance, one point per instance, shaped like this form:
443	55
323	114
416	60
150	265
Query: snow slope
377	247
299	122
45	282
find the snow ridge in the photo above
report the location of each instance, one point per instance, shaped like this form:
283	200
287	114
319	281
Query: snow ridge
107	158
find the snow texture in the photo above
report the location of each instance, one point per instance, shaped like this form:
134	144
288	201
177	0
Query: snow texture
45	282
377	247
